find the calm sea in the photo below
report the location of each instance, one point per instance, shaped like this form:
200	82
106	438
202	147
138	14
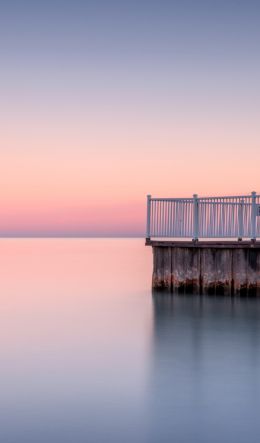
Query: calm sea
89	356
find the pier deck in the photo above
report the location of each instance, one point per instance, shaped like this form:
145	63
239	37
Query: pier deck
220	244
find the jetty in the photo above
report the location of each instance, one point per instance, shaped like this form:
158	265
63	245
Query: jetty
205	245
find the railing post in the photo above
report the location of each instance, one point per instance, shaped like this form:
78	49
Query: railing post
148	220
240	220
195	217
253	217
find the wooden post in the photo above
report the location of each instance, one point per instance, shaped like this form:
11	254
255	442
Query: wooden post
207	267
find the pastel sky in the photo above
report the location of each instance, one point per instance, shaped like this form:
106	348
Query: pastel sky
103	102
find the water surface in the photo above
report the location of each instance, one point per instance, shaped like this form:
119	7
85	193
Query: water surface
88	355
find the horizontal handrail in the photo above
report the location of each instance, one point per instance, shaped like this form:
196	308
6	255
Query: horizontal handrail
204	198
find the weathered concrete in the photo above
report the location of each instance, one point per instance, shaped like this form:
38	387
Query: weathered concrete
207	267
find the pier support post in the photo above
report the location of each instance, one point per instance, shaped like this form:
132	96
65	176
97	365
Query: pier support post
162	268
185	270
207	268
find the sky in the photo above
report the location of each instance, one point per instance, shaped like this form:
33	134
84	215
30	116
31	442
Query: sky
104	102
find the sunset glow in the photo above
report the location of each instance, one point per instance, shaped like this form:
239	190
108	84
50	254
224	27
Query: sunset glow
101	107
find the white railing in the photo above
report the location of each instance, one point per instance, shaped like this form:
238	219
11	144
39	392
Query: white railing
206	217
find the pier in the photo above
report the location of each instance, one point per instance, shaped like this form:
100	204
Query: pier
208	245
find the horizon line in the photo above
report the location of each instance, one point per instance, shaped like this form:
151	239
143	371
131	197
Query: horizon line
69	236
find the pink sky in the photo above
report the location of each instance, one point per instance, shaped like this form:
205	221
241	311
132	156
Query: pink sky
91	183
143	100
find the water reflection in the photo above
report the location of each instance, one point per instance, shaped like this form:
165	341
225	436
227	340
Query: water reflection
205	381
87	355
75	335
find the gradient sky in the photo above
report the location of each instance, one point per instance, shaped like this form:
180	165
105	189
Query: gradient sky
103	102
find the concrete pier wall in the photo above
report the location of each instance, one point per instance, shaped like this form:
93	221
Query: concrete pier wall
207	268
